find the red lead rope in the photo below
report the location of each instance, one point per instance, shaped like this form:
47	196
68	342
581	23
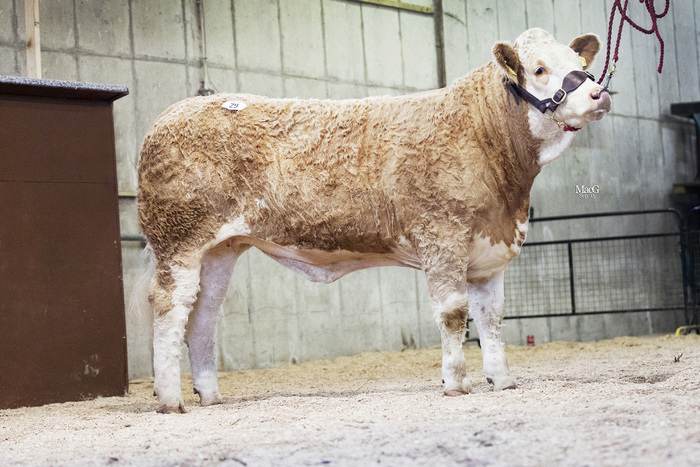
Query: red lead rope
654	29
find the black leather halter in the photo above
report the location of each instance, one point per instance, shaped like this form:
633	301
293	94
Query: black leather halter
571	82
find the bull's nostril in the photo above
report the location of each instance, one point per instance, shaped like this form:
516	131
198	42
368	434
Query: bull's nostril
596	95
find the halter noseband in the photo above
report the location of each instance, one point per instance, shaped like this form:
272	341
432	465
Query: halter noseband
571	82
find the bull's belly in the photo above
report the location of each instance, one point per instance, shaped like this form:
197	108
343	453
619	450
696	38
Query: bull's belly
326	266
485	261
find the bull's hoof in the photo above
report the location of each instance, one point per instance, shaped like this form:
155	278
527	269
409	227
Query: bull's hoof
455	392
179	408
502	383
213	399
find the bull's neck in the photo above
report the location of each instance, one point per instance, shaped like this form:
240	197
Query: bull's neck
500	126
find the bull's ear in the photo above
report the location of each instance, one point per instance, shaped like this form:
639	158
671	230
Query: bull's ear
507	58
586	46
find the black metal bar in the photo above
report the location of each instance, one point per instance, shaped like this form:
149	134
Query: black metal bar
602	239
133	238
607	214
590	313
571	278
685	238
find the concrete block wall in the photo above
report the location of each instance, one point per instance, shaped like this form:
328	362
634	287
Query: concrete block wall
347	49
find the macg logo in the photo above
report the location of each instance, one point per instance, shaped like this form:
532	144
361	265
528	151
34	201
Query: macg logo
587	192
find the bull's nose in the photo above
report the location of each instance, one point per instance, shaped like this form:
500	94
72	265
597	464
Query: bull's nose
602	98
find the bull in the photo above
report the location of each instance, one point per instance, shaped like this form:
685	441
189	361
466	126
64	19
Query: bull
438	181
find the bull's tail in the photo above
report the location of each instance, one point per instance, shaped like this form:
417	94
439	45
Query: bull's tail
140	312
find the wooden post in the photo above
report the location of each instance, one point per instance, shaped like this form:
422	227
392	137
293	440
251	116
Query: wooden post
33	44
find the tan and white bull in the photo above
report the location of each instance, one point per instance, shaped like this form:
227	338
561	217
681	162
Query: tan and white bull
437	181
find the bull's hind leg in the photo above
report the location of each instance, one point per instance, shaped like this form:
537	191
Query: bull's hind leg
217	267
486	305
173	292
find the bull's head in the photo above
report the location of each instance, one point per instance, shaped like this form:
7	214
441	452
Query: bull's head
540	66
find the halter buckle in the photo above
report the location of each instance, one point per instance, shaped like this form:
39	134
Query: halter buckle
563	96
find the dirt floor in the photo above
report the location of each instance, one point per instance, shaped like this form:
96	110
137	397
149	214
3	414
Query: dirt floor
619	402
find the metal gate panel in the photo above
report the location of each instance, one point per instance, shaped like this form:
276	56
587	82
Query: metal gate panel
613	274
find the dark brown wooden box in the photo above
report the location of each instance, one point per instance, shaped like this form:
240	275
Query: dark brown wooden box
62	324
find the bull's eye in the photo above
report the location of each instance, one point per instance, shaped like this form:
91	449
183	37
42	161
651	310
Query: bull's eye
540	71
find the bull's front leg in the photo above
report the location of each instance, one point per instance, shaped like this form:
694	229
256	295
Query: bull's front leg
451	317
486	305
448	290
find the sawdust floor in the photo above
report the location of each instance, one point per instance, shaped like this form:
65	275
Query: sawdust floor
618	402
